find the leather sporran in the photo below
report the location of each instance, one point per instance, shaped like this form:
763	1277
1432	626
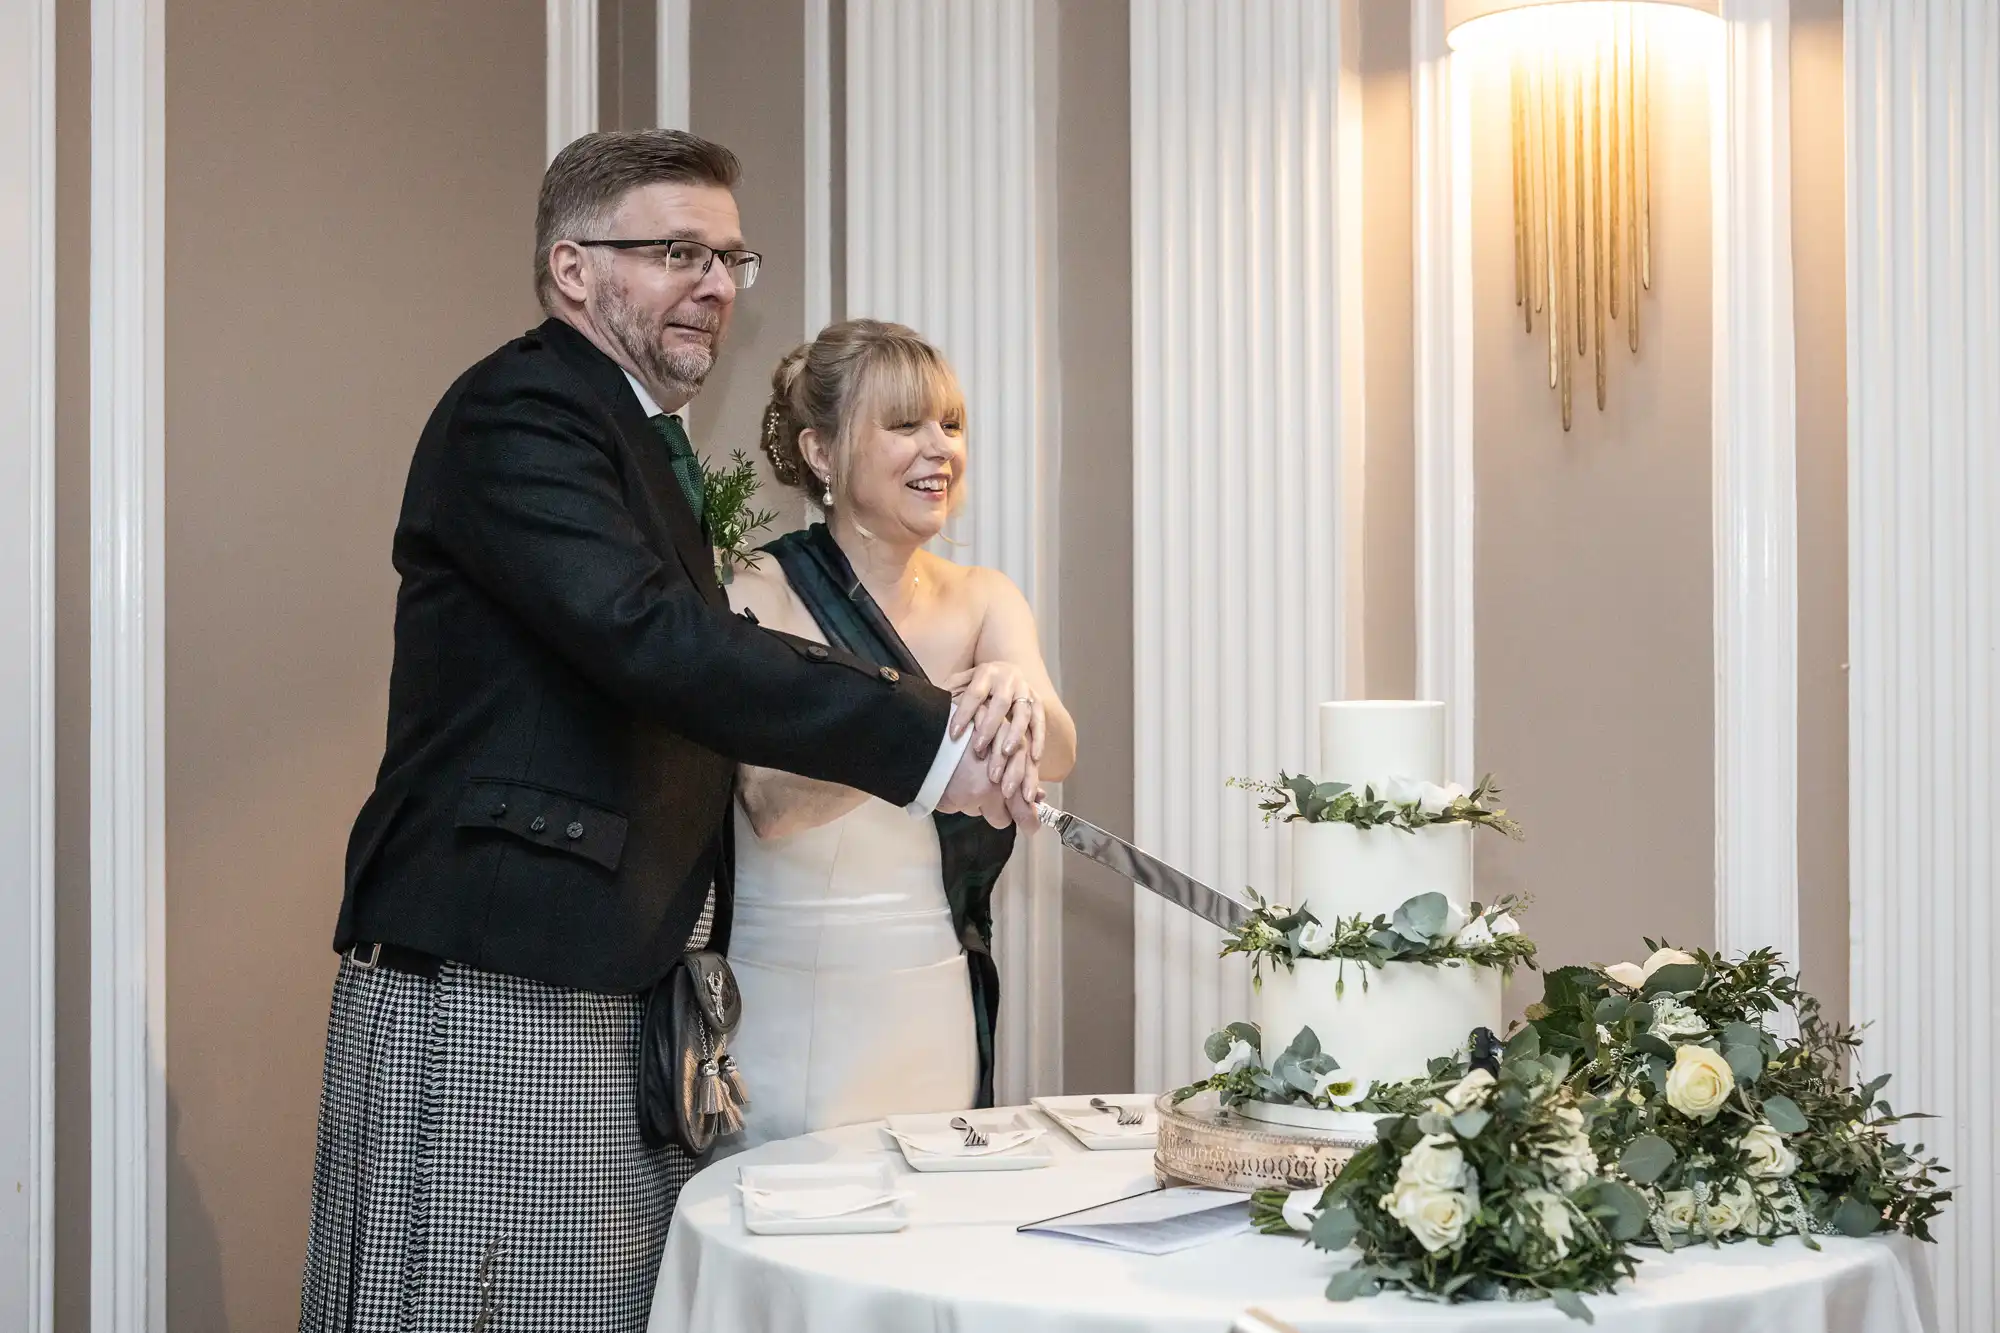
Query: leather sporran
689	1091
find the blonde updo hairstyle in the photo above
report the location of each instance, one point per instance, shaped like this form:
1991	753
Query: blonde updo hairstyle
855	373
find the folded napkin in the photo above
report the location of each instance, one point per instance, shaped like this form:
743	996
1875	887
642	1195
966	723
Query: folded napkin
951	1143
816	1201
1104	1124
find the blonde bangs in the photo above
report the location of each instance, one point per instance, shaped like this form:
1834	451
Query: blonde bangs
906	380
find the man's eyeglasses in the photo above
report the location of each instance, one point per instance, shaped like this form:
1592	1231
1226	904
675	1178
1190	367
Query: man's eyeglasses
693	259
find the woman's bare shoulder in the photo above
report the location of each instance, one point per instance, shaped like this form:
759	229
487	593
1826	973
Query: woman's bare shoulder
763	590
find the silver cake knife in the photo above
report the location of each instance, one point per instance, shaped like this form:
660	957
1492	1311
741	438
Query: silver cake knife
1143	868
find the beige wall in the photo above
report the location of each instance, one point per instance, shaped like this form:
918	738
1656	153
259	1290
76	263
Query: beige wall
1094	343
747	63
350	193
1819	235
1389	557
1595	704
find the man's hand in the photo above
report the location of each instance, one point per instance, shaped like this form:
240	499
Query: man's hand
973	791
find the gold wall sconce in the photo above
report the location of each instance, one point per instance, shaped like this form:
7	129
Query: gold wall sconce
1582	162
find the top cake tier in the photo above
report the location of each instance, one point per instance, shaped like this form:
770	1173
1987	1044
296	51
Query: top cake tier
1366	741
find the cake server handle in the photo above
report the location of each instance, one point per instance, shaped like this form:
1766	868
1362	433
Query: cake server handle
1143	868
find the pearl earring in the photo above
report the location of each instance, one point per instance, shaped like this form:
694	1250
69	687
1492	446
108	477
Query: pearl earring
826	495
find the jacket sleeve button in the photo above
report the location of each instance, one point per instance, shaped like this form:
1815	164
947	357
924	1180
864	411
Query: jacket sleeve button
891	675
537	824
816	653
574	831
499	811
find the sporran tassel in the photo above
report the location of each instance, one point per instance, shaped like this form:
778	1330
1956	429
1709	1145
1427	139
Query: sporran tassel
709	1099
732	1081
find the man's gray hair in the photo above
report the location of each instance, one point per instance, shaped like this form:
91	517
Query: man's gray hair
585	184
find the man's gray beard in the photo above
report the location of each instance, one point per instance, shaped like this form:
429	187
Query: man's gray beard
679	372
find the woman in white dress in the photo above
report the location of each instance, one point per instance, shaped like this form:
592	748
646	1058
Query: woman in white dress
861	933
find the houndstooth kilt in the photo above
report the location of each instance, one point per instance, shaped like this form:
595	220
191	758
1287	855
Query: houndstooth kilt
479	1167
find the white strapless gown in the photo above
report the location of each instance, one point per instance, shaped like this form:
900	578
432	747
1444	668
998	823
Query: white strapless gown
856	1003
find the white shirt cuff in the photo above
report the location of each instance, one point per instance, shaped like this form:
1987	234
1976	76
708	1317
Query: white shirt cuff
942	767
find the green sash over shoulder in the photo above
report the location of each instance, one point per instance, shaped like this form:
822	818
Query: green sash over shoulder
974	852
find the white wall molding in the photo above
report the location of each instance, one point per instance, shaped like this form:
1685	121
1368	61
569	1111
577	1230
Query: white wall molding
1246	384
571	82
27	665
127	669
946	113
673	88
1923	396
1755	485
819	167
1441	210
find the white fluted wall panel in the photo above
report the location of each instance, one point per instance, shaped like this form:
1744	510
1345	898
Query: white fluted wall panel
27	664
128	997
945	232
1246	452
570	85
1923	291
1755	486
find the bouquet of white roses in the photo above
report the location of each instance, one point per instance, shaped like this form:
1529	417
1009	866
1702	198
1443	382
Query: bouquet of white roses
1493	1191
1733	1132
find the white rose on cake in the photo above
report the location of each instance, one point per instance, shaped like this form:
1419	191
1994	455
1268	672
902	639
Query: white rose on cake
1399	790
1315	938
1437	1218
1504	924
1636	975
1474	933
1699	1083
1434	800
1771	1158
1239	1056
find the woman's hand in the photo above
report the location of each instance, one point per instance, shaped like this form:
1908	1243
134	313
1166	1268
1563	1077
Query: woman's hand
999	701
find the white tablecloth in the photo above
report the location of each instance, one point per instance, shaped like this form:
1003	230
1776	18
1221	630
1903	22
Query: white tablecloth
960	1266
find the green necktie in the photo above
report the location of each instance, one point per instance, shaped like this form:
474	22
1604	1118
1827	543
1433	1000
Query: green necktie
687	467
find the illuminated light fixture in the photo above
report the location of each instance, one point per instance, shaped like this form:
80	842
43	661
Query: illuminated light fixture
1581	133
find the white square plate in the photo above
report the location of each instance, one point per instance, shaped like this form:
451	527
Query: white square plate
1062	1109
1026	1157
892	1215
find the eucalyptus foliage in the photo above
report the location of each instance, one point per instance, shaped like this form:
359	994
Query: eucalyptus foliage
1731	1131
1295	798
1419	931
1489	1192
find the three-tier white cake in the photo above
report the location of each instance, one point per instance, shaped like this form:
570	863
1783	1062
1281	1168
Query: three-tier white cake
1406	1014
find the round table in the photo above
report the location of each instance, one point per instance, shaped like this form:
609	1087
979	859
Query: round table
961	1266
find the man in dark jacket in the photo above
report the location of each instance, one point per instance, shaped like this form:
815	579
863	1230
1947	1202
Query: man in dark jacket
569	701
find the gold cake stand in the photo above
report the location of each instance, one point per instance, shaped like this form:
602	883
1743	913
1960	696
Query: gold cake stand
1200	1143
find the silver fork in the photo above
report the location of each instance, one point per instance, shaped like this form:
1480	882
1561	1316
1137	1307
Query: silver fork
973	1137
1126	1115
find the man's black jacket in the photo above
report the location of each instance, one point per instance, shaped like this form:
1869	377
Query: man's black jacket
570	694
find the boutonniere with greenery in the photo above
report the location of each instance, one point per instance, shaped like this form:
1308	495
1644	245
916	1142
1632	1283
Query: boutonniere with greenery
1731	1131
1305	1074
726	496
1399	803
1492	1191
1426	929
